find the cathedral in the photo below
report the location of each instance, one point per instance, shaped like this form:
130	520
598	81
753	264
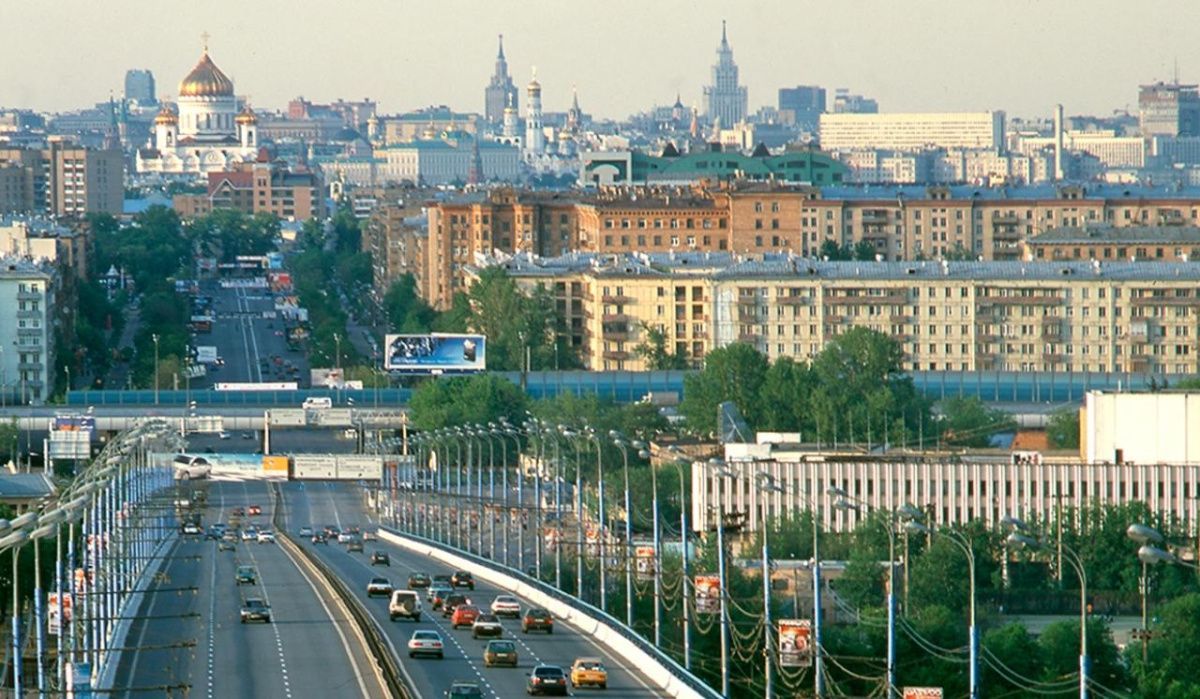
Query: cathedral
207	134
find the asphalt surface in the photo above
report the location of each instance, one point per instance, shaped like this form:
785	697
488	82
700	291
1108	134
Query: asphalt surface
244	333
320	503
307	651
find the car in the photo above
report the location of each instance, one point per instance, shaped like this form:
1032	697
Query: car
379	586
345	536
537	619
462	578
255	510
437	594
238	512
451	600
213	533
266	536
229	537
369	535
589	672
418	580
320	538
404	604
380	558
464	615
190	529
425	642
332	531
506	605
249	534
306	532
547	679
443	579
255	609
246	575
486	625
500	653
464	690
354	545
223	435
225	545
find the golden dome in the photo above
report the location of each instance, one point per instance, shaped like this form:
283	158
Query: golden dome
246	116
166	116
206	80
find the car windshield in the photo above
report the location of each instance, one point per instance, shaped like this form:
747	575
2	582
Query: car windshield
425	635
379	581
486	619
590	665
538	613
548	672
255	603
501	647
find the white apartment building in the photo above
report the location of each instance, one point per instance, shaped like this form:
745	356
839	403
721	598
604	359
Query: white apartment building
27	305
948	491
1112	150
914	131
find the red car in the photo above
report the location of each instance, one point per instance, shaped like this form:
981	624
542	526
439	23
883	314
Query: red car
464	615
255	510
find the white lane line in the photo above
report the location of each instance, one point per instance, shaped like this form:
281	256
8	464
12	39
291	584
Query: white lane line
262	584
245	342
254	341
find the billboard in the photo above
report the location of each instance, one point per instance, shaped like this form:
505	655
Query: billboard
644	562
435	354
708	594
53	622
795	649
922	693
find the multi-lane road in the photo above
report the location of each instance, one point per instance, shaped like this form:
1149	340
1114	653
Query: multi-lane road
197	645
245	333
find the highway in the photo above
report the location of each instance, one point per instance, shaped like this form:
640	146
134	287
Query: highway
320	503
309	650
244	335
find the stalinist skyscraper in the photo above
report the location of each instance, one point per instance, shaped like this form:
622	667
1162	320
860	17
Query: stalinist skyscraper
725	99
500	92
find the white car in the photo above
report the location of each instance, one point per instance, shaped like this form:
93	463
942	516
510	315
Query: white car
506	605
345	537
379	586
266	537
223	435
487	625
425	642
249	535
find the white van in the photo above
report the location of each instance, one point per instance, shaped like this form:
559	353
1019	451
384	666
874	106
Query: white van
317	403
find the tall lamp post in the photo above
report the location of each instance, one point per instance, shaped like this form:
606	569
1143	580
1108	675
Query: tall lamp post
964	544
766	486
623	445
1150	552
603	550
645	454
679	461
1020	538
154	337
722	471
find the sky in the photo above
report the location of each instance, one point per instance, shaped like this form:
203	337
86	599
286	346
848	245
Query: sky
624	56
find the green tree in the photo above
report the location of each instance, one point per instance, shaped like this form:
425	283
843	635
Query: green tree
406	311
1063	429
515	322
1018	651
354	271
478	399
1059	644
968	422
1173	650
734	373
864	251
830	250
653	349
959	253
786	391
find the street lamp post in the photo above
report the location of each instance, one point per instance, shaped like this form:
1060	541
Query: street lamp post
645	454
591	435
154	337
679	462
1149	553
964	544
722	472
623	446
1021	539
767	485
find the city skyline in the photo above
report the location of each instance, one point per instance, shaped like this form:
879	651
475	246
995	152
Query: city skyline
891	52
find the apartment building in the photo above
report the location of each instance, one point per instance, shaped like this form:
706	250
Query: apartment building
1164	243
912	131
263	186
62	179
28	307
396	233
955	316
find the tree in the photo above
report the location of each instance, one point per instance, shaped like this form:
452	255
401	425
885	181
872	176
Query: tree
1173	650
1063	429
863	251
734	373
406	311
1017	649
450	402
968	422
1059	643
959	253
786	391
654	350
515	322
830	250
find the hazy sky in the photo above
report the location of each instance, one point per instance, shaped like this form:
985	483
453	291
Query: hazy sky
624	55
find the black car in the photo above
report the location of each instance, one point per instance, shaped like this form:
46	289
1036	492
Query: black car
380	558
255	609
537	619
320	538
547	679
453	601
462	578
464	690
418	580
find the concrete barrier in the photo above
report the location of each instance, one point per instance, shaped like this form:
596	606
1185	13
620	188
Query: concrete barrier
664	674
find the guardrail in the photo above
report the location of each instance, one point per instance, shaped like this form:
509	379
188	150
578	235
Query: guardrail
387	664
671	678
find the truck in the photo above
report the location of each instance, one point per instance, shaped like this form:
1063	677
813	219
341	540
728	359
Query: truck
206	354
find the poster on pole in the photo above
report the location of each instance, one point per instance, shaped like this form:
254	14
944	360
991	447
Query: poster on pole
53	623
795	649
708	594
922	693
644	563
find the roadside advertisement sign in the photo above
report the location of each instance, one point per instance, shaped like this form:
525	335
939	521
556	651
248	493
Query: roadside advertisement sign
53	623
644	562
708	594
922	693
435	354
795	647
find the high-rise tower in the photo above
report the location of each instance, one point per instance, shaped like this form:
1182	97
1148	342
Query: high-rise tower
535	138
725	99
500	91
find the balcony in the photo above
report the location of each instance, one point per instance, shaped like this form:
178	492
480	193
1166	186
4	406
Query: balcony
1176	301
617	299
26	295
1005	219
749	337
793	300
875	216
617	355
616	318
29	314
1039	300
617	335
896	298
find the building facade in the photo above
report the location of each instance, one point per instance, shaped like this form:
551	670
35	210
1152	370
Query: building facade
500	91
139	87
28	307
949	130
1165	242
802	105
262	186
63	179
954	316
1169	109
725	101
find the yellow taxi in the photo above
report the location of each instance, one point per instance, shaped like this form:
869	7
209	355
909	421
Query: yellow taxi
589	672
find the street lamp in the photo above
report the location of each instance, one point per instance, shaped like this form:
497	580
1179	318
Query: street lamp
621	444
1149	553
964	544
908	515
679	461
572	435
154	337
766	485
645	454
1019	538
722	471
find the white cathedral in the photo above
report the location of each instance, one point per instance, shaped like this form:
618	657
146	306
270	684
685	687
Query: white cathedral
208	134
